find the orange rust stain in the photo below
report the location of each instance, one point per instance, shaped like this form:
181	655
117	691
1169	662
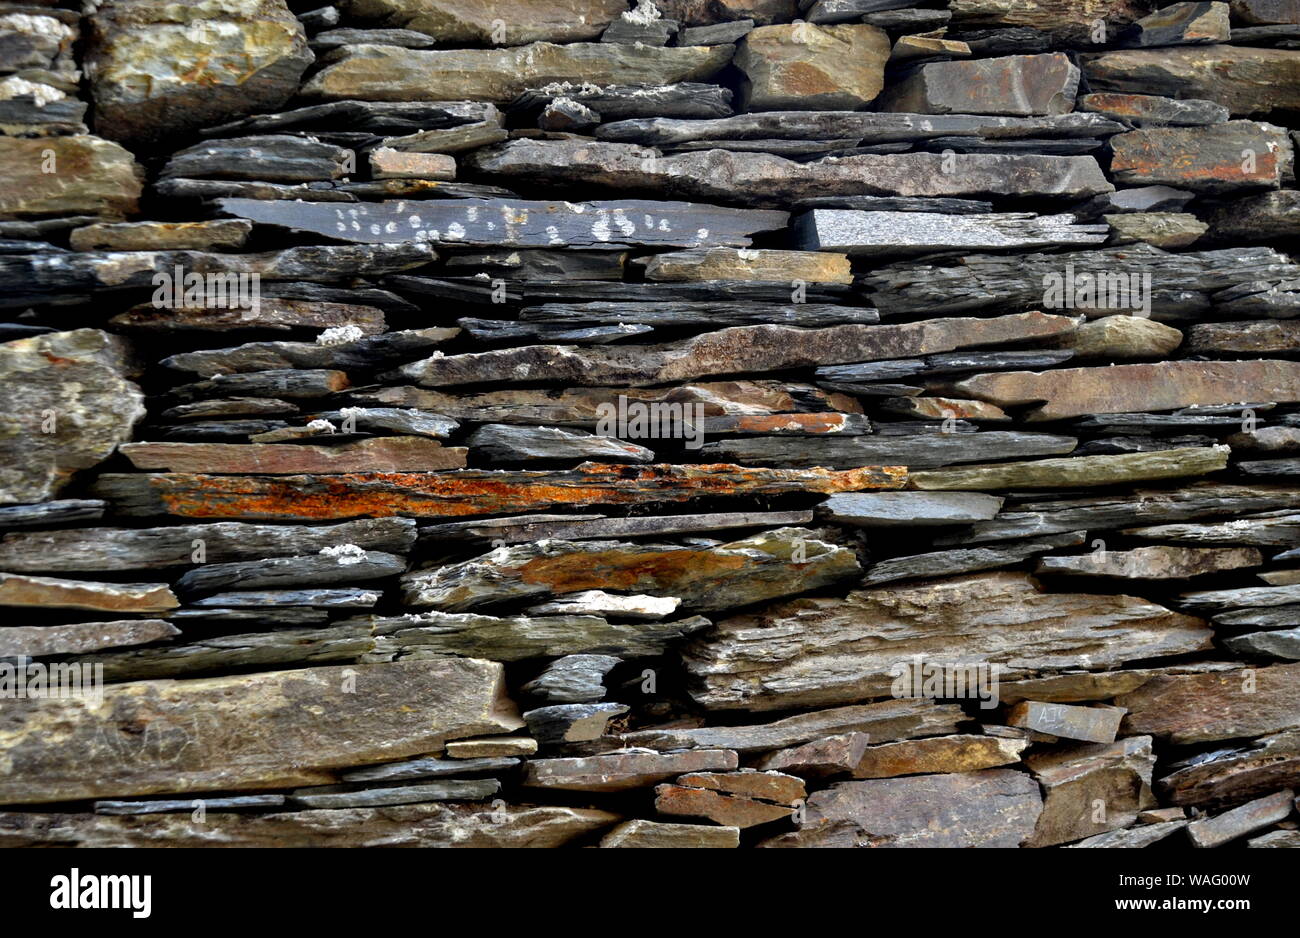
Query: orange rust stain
459	493
620	570
57	360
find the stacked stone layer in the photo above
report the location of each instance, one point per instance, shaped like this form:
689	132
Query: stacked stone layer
711	424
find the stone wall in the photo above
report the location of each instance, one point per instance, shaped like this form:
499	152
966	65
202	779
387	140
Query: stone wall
715	423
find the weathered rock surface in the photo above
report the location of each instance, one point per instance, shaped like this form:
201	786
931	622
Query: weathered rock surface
382	454
805	66
468	492
67	402
1077	392
1251	817
222	743
474	22
38	591
743	348
35	641
1016	85
618	771
993	808
765	566
1208	707
656	834
1244	79
391	73
809	652
1089	790
1163	562
71	175
80	550
158	69
1159	156
417	825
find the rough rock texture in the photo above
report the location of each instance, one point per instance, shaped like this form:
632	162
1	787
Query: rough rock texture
159	69
67	402
545	423
805	66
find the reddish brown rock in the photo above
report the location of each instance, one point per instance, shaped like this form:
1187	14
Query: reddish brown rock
466	493
1245	79
380	454
1088	790
1090	724
79	174
1214	159
828	756
1120	389
47	592
1199	708
721	808
938	754
993	808
775	787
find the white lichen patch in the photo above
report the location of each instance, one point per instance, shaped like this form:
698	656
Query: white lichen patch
345	555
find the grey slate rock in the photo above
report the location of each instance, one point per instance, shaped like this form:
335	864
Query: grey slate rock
571	723
905	509
223	803
427	767
967	560
573	679
508	444
869	234
919	452
450	790
310	570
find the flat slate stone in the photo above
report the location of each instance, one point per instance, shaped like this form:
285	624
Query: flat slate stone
619	771
499	75
1077	392
993	808
887	719
381	454
1015	85
403	709
1185	709
81	550
1151	157
416	825
345	564
655	834
765	566
893	509
868	234
754	661
729	351
35	641
514	223
462	493
1241	821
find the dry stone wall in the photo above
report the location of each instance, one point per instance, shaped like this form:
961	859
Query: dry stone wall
700	423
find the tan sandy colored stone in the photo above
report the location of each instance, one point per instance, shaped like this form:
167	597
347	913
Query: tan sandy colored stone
807	67
48	592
